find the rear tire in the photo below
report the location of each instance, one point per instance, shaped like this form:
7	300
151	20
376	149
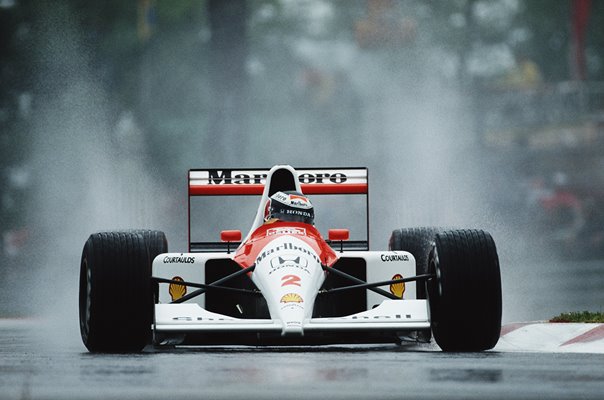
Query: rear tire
465	296
116	293
417	241
156	241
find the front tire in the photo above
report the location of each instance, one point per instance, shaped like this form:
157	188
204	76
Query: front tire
116	293
465	295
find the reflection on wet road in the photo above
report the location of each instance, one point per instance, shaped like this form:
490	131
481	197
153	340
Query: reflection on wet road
35	363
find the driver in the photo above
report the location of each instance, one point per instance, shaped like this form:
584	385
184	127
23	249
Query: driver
289	206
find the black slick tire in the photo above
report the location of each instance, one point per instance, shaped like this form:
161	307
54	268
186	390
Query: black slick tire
155	240
417	241
116	293
465	295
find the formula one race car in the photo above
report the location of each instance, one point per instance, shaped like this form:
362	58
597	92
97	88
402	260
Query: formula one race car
284	283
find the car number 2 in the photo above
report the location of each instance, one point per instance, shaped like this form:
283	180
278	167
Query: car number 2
290	280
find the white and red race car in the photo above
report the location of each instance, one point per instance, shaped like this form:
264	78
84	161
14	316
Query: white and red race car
284	284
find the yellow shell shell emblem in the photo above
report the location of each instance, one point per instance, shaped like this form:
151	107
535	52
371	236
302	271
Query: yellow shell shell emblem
397	289
176	290
291	298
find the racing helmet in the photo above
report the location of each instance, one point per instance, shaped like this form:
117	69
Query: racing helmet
290	206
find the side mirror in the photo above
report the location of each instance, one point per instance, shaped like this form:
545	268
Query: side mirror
337	235
230	236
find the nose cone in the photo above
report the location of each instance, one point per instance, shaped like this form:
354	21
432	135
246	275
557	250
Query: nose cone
289	274
292	313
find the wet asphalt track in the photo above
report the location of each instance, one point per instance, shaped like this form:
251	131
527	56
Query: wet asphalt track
36	363
44	359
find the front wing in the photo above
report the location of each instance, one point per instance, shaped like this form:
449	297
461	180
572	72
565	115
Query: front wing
391	315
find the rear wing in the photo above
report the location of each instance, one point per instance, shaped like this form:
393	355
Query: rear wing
249	182
224	182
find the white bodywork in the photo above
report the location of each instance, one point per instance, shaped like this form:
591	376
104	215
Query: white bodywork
291	317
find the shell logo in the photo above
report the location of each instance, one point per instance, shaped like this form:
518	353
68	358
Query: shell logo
397	289
176	290
291	298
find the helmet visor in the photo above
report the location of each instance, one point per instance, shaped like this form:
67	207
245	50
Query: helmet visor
293	215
